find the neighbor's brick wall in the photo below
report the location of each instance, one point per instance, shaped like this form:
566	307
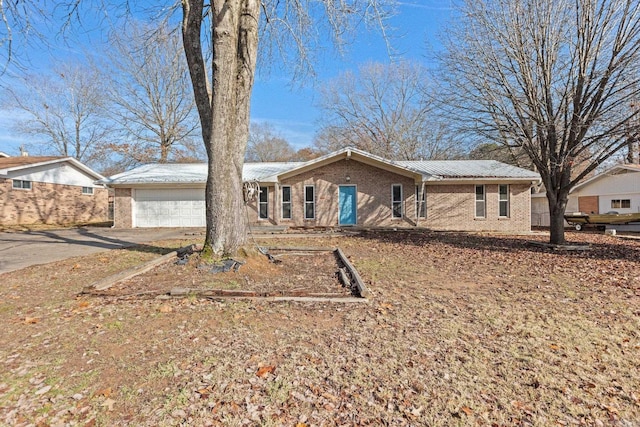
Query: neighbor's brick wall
122	213
51	204
452	207
589	204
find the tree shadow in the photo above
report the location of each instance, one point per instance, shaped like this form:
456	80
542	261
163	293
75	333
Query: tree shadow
624	250
92	240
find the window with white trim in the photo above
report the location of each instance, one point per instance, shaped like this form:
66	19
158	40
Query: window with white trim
503	200
21	184
421	202
309	202
621	203
396	201
480	202
263	204
286	202
87	190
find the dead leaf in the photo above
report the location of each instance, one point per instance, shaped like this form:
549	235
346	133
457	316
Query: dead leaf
467	410
108	404
75	267
301	425
31	320
104	392
165	308
265	370
204	392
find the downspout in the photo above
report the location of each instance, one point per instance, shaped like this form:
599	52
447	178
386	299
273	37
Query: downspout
278	207
421	203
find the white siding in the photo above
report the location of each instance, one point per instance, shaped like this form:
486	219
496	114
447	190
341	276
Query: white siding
56	173
624	185
604	203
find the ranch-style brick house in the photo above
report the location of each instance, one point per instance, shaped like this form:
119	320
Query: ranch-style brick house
348	187
50	190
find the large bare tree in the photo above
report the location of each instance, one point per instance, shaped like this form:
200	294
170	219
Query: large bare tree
221	40
386	109
62	110
150	96
223	84
266	145
554	78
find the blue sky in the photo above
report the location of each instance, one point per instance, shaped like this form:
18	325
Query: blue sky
291	106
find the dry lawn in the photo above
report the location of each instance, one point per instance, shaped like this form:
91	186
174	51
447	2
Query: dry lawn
460	330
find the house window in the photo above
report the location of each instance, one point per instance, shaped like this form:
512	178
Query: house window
621	203
309	202
22	184
87	190
480	201
503	200
286	202
396	201
421	202
263	204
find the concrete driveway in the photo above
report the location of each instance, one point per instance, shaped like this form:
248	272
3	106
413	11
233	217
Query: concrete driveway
25	248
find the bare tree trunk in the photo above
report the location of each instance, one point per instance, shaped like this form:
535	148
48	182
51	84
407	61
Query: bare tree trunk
164	150
224	111
556	221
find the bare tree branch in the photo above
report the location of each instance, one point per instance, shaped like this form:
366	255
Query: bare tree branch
384	109
149	93
64	109
554	78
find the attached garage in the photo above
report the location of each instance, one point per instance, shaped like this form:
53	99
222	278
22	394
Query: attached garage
169	207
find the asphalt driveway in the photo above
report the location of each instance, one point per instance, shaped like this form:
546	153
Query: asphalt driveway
26	248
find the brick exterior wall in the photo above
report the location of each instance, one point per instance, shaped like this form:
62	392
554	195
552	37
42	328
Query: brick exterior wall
449	207
122	212
589	204
373	197
48	203
452	207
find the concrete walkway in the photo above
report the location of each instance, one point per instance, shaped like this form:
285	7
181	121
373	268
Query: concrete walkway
22	249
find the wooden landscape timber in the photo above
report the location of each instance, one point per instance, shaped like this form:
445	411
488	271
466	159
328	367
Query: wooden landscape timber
356	280
346	273
107	282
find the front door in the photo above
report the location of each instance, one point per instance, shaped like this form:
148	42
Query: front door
347	205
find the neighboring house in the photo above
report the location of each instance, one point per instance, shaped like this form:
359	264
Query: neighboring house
50	190
3	155
617	189
345	188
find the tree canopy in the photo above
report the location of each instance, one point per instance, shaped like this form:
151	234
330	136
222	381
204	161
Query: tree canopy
553	78
387	110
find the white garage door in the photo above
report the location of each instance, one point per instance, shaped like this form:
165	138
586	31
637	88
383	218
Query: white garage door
169	208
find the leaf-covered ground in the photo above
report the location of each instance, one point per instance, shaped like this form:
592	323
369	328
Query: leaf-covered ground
460	330
298	272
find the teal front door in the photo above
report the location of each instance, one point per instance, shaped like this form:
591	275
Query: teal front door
347	205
